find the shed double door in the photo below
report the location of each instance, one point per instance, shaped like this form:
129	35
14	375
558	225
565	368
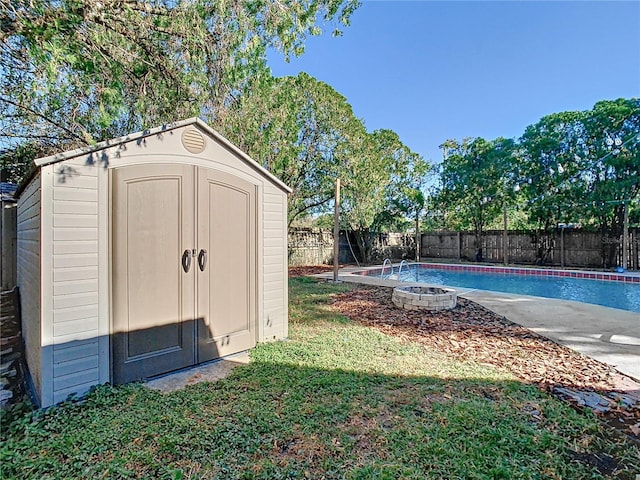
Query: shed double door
183	268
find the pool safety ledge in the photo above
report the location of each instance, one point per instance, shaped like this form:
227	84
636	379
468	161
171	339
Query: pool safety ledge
432	299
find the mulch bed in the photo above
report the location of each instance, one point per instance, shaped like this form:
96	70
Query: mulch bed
472	332
309	270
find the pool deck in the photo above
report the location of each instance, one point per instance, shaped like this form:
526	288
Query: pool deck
606	334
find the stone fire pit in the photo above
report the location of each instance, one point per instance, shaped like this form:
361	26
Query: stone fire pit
424	298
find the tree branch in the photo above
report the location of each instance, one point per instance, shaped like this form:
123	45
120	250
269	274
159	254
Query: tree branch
45	118
300	211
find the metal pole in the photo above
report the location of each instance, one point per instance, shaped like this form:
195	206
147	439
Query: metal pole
505	236
625	235
336	232
418	238
562	246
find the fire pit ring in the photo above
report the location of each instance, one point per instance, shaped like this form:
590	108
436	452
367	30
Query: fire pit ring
424	298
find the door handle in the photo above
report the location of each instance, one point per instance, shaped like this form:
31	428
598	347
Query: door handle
202	259
186	260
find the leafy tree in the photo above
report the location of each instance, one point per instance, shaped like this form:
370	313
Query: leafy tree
301	130
77	71
305	132
612	139
475	182
553	153
582	167
406	196
379	166
16	163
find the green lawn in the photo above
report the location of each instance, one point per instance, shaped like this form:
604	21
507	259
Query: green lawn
335	401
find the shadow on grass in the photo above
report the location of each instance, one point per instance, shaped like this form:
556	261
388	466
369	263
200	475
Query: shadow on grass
337	401
276	419
474	333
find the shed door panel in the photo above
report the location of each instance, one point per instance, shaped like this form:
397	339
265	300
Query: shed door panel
153	310
226	286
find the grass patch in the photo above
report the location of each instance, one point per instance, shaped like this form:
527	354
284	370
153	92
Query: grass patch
337	400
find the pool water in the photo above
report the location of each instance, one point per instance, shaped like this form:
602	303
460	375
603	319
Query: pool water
625	296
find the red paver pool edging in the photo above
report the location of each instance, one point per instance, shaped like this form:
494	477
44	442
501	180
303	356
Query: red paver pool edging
541	272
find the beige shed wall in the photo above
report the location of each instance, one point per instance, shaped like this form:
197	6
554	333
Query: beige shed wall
275	264
167	148
28	275
272	213
76	343
75	229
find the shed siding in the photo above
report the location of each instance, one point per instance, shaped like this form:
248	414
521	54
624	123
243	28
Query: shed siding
28	270
274	271
75	316
64	254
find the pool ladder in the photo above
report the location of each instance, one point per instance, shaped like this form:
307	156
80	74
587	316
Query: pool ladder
403	262
391	275
386	262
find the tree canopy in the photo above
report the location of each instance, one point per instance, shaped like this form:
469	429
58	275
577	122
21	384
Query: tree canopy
579	167
306	133
78	71
302	131
475	182
381	174
73	72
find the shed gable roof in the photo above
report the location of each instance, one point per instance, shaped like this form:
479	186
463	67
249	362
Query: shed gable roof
201	125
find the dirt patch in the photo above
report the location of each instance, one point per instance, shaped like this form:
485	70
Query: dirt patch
309	270
303	447
605	464
475	333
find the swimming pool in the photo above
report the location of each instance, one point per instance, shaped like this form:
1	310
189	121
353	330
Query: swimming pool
609	290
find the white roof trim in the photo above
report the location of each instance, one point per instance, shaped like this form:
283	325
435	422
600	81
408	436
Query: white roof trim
154	131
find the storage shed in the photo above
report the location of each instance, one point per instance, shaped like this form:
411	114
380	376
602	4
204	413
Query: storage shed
147	254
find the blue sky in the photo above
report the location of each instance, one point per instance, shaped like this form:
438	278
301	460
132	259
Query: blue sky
437	70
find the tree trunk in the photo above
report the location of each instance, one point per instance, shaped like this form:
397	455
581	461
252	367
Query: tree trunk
478	242
359	245
611	236
361	242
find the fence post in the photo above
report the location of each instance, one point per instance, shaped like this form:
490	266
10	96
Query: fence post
562	247
505	236
625	235
636	251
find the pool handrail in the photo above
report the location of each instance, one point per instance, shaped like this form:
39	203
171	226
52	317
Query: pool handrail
384	264
406	264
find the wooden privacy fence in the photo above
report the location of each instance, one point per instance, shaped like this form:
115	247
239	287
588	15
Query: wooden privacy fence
310	246
314	247
8	242
568	248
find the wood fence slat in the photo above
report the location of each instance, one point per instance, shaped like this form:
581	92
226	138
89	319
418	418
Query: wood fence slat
581	249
